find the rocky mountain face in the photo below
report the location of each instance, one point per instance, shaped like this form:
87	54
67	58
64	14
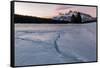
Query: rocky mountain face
68	16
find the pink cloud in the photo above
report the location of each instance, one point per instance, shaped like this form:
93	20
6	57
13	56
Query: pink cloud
62	7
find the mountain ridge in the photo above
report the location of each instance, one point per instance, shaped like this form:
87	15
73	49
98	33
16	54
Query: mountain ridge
70	17
67	16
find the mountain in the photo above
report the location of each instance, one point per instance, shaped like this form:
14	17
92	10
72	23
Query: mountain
68	16
36	20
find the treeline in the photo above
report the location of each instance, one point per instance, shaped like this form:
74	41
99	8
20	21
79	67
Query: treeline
76	18
37	20
31	19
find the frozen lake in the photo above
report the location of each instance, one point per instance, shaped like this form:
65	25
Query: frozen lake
37	44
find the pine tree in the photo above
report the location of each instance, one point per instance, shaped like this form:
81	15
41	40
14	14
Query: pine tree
73	19
79	20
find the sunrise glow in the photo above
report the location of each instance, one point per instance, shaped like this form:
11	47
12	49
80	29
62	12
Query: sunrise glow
50	10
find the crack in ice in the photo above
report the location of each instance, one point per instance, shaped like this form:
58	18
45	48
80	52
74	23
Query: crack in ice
56	46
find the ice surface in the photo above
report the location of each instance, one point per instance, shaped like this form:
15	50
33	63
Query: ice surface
37	44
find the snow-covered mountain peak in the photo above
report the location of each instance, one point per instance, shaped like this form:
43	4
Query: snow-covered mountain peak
68	15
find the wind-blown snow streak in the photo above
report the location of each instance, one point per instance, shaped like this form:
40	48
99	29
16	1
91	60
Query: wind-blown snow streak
64	44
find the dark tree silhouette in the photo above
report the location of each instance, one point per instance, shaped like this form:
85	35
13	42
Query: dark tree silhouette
73	19
76	18
79	19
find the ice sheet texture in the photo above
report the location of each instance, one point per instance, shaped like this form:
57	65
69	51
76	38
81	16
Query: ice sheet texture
37	44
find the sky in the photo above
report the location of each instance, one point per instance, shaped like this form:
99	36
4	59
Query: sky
50	10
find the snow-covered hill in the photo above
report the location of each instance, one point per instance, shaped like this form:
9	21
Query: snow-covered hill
37	44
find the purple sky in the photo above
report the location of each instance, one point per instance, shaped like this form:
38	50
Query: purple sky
50	10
